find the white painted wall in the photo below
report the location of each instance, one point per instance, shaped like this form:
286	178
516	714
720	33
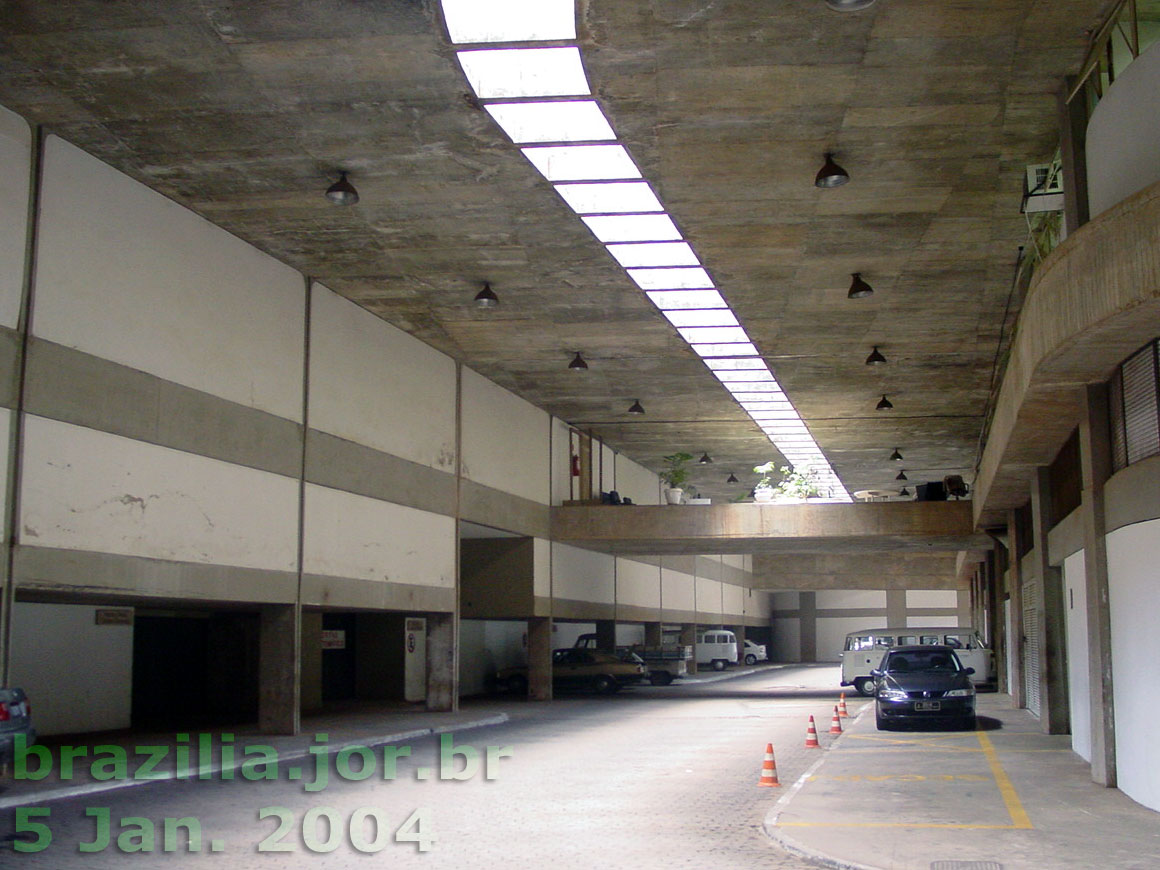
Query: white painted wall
638	584
1121	136
348	535
485	647
505	440
708	600
786	645
842	599
1078	678
932	598
758	603
604	474
15	162
933	621
832	631
564	634
734	599
89	490
583	575
541	567
636	482
1134	599
561	462
128	275
78	675
373	384
677	590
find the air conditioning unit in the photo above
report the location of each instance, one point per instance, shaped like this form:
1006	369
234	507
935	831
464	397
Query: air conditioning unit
1043	187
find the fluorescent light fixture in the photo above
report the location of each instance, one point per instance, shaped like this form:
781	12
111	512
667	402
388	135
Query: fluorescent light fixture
501	73
671	279
654	254
748	375
675	300
634	228
750	363
610	197
713	334
563	121
582	162
702	317
509	20
723	349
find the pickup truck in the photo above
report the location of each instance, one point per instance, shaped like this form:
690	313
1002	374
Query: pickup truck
665	663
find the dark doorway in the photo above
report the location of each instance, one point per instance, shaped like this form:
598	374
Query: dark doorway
338	656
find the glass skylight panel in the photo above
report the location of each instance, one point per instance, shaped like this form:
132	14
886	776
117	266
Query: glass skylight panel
563	121
610	197
671	279
582	162
764	405
770	386
723	349
749	375
634	228
675	300
713	334
703	317
654	254
761	417
751	363
509	20
500	73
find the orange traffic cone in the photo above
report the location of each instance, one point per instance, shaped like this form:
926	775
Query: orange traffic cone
842	706
768	769
836	723
812	736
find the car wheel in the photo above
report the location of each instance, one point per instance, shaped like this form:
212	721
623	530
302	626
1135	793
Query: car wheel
882	722
660	678
604	685
718	664
750	659
518	686
865	686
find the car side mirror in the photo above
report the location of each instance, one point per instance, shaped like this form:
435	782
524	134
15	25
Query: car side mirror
876	674
970	671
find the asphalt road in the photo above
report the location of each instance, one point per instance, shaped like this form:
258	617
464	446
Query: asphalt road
650	778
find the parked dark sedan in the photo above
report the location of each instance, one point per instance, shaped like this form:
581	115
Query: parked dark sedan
918	684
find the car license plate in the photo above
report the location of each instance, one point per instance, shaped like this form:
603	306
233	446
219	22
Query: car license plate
927	706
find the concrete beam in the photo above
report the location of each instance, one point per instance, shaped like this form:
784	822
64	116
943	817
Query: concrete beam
752	528
900	570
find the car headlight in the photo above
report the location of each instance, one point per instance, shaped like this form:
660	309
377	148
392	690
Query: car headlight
960	693
892	695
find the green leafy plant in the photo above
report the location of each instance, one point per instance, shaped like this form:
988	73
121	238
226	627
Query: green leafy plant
791	483
675	473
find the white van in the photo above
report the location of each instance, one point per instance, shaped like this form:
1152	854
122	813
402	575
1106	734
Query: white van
716	647
864	650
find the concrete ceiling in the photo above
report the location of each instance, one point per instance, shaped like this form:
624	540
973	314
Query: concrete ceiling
244	112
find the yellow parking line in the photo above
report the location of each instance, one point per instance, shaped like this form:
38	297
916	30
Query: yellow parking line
1019	816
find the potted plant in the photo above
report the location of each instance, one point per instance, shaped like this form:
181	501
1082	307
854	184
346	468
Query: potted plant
674	475
792	485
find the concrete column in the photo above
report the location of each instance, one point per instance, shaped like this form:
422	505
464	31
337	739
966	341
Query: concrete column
896	608
1018	642
992	588
808	607
1055	710
279	686
1073	121
606	634
739	633
310	656
442	663
653	636
689	638
1096	464
540	658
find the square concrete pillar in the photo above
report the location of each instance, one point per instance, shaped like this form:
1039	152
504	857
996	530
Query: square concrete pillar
606	634
310	656
1016	680
442	662
1055	702
653	634
689	638
739	634
279	674
540	658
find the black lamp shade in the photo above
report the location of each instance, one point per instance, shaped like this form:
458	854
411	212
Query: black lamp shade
859	289
342	192
875	358
831	174
578	364
485	298
636	408
884	405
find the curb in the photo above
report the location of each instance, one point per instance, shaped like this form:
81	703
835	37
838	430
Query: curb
789	844
58	794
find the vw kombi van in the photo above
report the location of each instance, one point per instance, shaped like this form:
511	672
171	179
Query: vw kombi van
716	647
864	650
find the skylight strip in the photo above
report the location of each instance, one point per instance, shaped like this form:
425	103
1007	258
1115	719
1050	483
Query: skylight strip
770	386
723	349
762	417
750	363
582	162
504	73
610	197
676	300
759	405
509	20
634	228
671	279
703	317
654	254
745	375
713	334
562	121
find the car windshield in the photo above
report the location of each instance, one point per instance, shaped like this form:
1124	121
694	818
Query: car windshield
921	660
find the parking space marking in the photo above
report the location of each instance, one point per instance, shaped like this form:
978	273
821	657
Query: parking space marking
1019	816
